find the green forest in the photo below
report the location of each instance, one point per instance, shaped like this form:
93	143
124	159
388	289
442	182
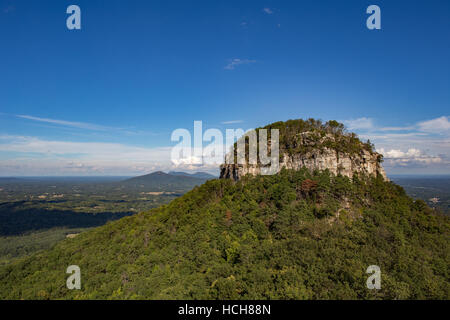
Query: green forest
294	235
320	136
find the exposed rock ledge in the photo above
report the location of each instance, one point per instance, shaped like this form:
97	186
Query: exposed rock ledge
363	162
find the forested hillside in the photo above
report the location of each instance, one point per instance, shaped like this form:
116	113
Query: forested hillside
37	212
294	235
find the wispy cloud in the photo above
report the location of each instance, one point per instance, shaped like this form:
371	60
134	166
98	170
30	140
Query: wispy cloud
411	157
232	122
57	123
237	62
83	150
268	10
79	125
423	146
407	128
439	125
358	124
37	156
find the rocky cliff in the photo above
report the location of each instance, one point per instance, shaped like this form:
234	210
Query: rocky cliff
314	145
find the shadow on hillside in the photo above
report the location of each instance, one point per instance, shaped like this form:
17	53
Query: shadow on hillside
15	220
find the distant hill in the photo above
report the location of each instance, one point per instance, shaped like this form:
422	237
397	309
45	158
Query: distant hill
9	179
161	181
200	175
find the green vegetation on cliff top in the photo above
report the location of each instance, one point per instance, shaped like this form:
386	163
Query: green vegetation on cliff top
318	136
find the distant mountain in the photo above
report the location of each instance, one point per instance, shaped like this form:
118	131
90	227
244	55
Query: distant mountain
161	181
200	175
9	179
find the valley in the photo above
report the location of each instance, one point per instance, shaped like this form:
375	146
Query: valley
35	213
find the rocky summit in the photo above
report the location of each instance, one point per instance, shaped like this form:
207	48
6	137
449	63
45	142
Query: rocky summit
315	145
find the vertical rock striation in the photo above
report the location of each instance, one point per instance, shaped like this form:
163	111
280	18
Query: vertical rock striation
318	149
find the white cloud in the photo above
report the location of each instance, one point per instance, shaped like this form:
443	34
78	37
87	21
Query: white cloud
236	62
35	156
411	158
396	128
438	125
422	147
360	123
232	122
396	154
80	125
411	155
268	10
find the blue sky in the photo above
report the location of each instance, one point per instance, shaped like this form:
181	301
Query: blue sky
105	99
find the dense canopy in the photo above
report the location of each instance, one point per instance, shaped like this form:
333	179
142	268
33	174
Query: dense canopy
294	235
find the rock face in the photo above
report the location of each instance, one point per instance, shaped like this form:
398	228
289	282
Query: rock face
317	157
